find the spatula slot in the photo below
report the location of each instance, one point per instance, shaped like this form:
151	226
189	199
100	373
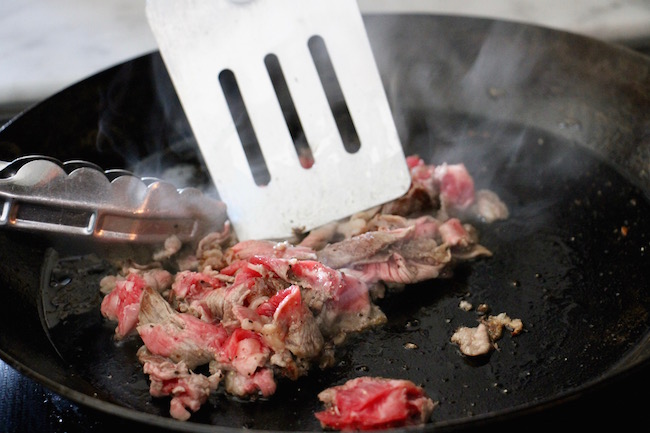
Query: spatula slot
289	111
335	96
300	133
244	127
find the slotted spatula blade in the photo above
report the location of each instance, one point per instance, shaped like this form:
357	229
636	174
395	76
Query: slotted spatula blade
214	49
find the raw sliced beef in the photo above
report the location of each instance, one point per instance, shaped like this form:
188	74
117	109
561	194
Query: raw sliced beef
259	310
372	403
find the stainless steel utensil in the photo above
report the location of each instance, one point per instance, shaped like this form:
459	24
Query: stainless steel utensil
39	193
240	66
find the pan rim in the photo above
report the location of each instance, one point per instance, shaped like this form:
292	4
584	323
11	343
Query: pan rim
155	420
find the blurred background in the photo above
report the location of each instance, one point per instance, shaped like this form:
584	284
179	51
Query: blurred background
47	45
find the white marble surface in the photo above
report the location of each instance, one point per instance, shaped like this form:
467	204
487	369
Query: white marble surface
46	45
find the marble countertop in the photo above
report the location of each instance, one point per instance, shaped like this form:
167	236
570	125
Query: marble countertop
47	45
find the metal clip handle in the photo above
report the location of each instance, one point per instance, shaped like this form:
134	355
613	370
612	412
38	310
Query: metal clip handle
40	193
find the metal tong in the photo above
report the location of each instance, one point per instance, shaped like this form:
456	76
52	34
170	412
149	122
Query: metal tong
43	194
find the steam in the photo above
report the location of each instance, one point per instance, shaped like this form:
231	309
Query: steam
432	76
156	142
454	70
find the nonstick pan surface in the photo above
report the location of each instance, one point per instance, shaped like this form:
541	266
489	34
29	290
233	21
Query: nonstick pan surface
555	123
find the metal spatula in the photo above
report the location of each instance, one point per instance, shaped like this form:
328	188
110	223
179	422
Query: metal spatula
226	58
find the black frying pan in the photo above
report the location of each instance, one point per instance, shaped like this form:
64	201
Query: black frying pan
558	125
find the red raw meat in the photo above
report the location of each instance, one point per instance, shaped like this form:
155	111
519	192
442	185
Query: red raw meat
257	310
188	390
244	351
188	284
178	336
269	307
123	304
456	185
372	403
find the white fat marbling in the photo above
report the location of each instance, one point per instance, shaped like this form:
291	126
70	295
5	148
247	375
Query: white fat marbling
47	45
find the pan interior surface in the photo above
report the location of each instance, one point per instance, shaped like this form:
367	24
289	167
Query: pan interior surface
569	262
562	146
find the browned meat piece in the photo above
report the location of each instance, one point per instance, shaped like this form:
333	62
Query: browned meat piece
188	390
340	302
251	284
482	339
292	329
171	246
401	250
424	193
261	382
488	207
496	324
177	336
190	290
210	251
361	247
319	237
246	249
473	341
258	310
